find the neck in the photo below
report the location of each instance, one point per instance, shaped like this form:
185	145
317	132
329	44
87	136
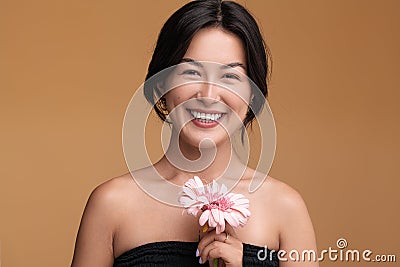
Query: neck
210	162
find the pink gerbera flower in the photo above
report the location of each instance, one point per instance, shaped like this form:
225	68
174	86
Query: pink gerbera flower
216	204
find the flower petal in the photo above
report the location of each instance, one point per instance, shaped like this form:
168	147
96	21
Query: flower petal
232	218
212	221
193	211
204	217
214	186
221	217
199	183
216	218
191	183
186	201
241	201
223	190
220	228
242	210
222	207
189	192
203	199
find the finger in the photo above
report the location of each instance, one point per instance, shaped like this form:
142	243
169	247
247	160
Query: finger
226	254
218	249
209	238
215	253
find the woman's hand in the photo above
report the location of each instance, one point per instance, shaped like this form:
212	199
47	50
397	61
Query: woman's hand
224	246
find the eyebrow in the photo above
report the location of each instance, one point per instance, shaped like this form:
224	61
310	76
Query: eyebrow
226	66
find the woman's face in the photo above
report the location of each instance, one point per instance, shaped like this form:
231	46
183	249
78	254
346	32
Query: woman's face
210	91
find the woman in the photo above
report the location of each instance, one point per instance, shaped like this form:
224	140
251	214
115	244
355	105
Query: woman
124	226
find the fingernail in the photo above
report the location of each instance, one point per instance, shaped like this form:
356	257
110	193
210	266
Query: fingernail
200	261
197	252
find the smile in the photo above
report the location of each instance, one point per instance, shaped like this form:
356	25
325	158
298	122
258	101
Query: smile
205	117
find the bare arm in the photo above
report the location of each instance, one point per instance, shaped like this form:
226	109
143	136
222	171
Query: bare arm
94	243
296	232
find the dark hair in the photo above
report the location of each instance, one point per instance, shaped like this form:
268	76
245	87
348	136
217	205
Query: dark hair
178	31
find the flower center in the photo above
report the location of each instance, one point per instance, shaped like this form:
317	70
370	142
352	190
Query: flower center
222	203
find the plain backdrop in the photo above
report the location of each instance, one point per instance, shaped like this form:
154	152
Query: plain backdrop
69	68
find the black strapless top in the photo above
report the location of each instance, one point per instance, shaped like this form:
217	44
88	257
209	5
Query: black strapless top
179	253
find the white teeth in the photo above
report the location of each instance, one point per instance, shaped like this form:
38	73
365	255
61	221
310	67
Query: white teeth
206	117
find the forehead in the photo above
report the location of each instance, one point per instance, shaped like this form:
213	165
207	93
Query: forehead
216	45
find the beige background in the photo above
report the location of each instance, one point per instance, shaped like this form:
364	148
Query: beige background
69	68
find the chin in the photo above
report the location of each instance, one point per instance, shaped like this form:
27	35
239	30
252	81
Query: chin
204	139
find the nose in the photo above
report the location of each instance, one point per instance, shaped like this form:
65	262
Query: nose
209	93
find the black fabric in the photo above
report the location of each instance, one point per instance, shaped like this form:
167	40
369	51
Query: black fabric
178	253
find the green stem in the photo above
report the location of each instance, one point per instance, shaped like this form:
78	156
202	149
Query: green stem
215	262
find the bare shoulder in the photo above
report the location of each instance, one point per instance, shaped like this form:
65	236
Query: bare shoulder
113	194
285	196
113	197
105	207
276	192
295	226
113	187
281	199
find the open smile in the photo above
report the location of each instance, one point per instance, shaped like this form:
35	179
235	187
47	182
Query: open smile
205	119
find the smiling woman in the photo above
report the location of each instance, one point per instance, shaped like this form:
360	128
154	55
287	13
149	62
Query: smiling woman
215	84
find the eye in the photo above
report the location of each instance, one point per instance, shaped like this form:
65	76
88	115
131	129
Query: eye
231	76
191	72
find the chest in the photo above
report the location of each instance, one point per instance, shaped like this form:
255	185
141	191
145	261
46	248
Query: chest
152	221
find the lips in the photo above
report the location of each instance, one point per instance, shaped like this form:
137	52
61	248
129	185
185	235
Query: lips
205	119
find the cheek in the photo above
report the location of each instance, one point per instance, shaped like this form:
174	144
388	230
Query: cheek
180	94
238	105
238	101
172	94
